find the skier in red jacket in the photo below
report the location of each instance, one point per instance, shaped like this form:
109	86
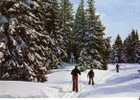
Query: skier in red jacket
75	72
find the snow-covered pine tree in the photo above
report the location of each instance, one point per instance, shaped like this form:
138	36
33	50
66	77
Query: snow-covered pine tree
131	47
25	57
138	53
108	49
79	30
117	50
28	49
95	51
53	26
66	13
134	45
137	60
125	49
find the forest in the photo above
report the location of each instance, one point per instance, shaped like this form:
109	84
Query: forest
37	36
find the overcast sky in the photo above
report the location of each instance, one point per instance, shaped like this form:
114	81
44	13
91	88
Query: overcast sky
119	16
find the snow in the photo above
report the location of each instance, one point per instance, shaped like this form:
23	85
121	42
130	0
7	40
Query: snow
25	89
3	20
107	84
1	55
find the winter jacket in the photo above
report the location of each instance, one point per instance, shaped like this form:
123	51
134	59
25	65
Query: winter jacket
117	66
91	74
75	72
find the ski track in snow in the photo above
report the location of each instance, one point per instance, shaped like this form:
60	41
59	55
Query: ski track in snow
108	84
59	85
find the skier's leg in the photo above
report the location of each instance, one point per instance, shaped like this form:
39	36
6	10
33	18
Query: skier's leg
89	81
77	84
92	81
117	70
73	81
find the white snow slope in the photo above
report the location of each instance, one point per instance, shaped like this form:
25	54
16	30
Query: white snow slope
107	84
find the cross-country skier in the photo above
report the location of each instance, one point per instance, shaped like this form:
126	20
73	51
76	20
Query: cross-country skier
75	72
117	68
91	76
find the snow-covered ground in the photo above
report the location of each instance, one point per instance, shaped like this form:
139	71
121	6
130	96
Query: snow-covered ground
107	84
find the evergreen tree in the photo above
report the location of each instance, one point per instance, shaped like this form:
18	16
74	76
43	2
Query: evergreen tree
137	60
53	26
117	51
131	47
128	51
66	13
95	50
108	50
79	30
135	44
31	39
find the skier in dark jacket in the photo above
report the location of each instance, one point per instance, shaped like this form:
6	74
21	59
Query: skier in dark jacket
91	76
75	72
117	68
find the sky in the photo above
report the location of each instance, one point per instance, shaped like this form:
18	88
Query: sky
118	16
